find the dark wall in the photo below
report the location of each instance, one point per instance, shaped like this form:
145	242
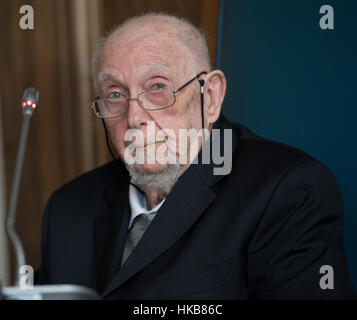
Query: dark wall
291	81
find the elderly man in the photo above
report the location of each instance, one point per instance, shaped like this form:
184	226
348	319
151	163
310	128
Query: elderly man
162	221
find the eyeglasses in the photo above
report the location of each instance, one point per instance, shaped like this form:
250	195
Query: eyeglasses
154	99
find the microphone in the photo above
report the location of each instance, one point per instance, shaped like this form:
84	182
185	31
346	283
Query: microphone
30	101
29	104
39	292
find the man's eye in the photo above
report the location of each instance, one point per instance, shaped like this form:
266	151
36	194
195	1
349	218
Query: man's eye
116	95
158	86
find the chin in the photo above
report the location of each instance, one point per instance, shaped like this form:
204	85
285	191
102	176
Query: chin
151	168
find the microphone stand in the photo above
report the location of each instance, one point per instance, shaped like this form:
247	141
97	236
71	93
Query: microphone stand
10	221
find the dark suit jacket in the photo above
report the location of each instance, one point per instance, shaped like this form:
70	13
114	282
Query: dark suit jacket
261	232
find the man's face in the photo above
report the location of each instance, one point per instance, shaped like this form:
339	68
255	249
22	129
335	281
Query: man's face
134	61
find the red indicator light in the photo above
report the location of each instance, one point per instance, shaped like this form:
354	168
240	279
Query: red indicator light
24	104
29	102
33	105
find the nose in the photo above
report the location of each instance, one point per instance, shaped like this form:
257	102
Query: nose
136	114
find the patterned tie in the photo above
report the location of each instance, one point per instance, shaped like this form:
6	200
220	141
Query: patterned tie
138	227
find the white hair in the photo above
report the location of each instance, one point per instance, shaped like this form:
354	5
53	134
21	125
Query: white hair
162	181
188	34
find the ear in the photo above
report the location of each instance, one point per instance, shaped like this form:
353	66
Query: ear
215	90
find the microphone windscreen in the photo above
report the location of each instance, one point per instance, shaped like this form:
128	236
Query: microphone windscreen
31	94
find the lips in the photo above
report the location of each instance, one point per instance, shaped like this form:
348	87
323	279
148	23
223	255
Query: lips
139	145
152	143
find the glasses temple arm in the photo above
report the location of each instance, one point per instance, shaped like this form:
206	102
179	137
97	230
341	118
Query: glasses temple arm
202	83
193	79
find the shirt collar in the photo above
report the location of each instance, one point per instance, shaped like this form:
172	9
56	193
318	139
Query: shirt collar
137	201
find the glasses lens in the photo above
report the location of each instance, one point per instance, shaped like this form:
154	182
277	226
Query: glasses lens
157	99
111	107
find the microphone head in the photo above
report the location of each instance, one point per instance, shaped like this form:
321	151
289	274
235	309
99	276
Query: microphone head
30	100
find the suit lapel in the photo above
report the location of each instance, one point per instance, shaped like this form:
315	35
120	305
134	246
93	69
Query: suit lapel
178	213
110	232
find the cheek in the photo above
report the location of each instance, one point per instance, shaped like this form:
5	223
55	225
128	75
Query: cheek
183	114
116	132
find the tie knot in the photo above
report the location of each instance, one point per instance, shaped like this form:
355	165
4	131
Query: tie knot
140	221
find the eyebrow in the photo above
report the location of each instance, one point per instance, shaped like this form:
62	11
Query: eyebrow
110	77
107	77
158	67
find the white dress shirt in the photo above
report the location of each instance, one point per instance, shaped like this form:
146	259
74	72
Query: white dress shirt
137	201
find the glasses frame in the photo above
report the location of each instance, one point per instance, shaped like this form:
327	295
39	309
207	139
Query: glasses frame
95	108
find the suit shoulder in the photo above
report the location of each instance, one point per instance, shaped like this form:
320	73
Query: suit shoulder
89	181
256	148
264	155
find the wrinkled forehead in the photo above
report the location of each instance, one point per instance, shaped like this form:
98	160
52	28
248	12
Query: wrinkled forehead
142	29
144	50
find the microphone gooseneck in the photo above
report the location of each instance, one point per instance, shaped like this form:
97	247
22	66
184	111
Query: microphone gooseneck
29	104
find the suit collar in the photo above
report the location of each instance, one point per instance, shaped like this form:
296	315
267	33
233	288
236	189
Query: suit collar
206	171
